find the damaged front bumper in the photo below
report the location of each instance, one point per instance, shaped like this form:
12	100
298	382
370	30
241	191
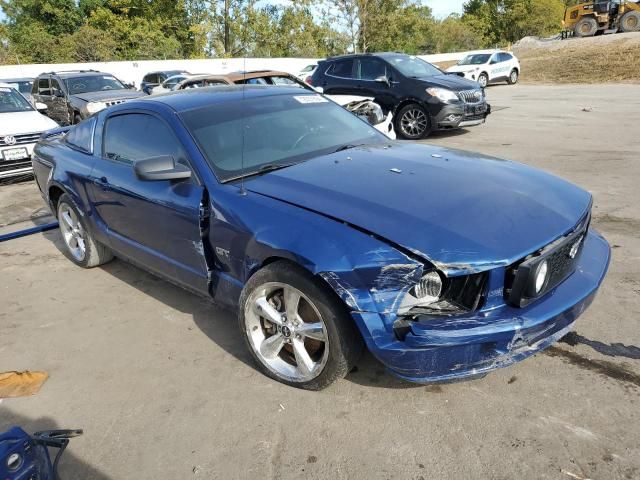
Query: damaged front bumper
446	349
461	116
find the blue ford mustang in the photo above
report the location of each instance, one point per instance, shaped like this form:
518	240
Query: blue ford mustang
324	235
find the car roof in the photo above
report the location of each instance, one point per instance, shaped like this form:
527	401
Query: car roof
189	99
76	73
16	79
174	71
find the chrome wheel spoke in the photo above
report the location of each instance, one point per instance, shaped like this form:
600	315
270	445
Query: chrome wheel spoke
271	346
291	303
264	309
67	220
305	364
312	330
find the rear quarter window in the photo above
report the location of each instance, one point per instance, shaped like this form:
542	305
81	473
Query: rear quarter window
80	137
342	68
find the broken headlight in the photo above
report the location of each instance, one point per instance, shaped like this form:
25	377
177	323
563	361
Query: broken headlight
367	110
442	297
436	295
425	292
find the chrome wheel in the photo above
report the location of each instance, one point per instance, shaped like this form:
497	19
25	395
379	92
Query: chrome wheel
286	332
483	80
414	122
514	77
72	232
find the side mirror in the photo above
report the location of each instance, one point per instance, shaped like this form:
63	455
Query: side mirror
382	79
58	93
161	168
41	107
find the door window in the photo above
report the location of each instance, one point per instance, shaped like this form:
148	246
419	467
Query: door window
505	57
370	69
43	86
55	87
136	136
151	78
342	68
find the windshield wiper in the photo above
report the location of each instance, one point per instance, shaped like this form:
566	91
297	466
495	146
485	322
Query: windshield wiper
270	167
348	146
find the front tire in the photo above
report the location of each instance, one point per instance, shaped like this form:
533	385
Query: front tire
513	77
412	122
79	245
297	331
483	80
586	27
77	118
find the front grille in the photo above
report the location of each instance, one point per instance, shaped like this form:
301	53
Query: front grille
561	264
20	139
14	165
472	96
469	118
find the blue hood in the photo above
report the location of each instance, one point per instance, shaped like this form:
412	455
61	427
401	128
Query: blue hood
462	211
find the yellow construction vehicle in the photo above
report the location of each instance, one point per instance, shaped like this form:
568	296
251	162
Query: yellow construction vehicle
589	18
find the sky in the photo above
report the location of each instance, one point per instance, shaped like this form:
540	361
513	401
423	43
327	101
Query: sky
443	8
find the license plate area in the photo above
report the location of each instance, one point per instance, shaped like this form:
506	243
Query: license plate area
12	154
476	109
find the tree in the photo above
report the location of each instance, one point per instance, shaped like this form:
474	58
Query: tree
503	21
374	25
454	35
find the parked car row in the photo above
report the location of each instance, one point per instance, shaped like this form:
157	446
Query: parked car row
395	93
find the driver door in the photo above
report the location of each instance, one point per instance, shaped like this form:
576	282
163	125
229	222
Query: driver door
58	106
155	223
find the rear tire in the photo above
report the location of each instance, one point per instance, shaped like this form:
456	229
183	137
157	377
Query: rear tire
630	22
310	343
513	77
412	122
586	27
483	80
77	118
79	245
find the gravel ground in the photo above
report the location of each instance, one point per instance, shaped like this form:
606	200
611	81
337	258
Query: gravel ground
162	384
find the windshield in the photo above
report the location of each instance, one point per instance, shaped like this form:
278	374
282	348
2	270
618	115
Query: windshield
22	86
413	66
92	83
12	101
280	130
477	59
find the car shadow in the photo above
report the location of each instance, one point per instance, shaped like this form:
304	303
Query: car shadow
71	466
220	324
610	350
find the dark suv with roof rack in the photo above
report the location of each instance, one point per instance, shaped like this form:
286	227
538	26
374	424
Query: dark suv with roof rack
71	96
422	97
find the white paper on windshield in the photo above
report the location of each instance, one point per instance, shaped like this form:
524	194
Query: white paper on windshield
311	99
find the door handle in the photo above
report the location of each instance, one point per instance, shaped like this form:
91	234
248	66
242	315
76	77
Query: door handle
101	182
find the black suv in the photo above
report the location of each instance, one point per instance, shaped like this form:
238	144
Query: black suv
422	97
153	79
71	96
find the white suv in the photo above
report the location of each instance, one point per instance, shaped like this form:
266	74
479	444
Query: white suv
490	66
20	129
